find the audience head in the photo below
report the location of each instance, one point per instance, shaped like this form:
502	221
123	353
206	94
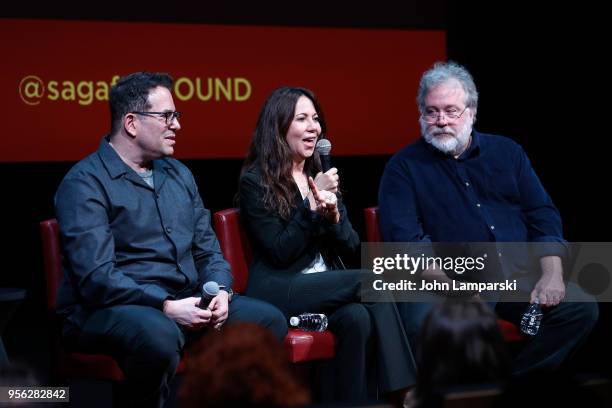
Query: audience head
460	344
244	366
17	375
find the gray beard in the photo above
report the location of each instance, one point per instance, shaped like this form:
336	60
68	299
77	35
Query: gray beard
448	145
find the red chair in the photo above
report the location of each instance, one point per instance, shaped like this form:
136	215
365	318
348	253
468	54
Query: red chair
74	365
301	346
510	332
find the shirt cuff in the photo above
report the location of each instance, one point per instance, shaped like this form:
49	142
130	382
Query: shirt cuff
155	296
550	246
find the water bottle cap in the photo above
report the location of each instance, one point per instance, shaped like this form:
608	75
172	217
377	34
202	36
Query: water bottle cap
294	321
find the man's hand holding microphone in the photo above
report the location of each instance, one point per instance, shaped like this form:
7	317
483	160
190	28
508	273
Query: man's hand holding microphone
209	310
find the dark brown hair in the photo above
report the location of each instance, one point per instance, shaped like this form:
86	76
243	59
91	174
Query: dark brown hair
460	343
269	151
242	366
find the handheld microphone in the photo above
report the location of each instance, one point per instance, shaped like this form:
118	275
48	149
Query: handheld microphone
324	148
209	290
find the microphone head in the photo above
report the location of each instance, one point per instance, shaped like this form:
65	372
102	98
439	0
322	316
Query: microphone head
210	289
323	147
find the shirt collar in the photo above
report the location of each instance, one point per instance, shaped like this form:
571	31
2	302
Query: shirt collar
113	163
116	167
473	149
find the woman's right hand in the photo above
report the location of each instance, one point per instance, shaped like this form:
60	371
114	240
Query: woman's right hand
325	202
328	181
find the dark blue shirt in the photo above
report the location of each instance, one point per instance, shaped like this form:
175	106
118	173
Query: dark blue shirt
489	194
125	242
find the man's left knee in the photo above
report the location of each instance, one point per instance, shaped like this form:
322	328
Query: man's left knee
581	316
588	314
262	313
275	321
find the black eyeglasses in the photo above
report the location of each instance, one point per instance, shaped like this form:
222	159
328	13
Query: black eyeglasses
169	116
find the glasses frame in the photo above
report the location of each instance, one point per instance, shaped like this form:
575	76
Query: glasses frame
451	117
168	116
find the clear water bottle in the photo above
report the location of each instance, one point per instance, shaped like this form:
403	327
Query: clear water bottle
309	322
530	322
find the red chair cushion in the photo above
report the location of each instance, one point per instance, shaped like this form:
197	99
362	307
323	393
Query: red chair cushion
77	365
52	258
307	346
234	245
301	346
510	331
371	224
97	366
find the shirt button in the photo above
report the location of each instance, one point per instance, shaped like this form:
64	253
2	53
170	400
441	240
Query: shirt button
467	184
478	205
168	230
499	253
492	227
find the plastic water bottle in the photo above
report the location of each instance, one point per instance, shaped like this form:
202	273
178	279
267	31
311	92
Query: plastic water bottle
309	322
530	322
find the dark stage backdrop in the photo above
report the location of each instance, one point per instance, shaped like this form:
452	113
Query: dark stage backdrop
538	78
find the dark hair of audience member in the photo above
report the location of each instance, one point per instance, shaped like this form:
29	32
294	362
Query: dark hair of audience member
243	365
18	374
460	344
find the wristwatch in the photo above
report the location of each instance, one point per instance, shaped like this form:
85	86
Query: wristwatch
230	292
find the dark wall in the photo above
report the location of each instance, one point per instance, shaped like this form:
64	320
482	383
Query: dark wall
535	73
